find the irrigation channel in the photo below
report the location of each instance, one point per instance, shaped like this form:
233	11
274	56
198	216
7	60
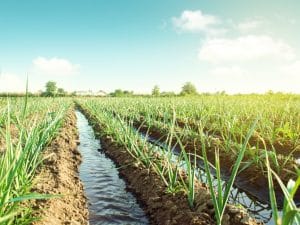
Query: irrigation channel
259	210
109	202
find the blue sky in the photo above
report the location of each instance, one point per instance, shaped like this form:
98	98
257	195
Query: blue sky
236	46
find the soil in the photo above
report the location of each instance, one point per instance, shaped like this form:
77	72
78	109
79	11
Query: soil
282	146
163	208
59	175
257	186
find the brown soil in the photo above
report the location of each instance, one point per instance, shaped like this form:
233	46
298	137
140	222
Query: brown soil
59	175
256	186
281	145
164	208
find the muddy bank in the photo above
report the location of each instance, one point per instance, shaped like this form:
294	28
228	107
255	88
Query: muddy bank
161	207
282	145
59	175
251	180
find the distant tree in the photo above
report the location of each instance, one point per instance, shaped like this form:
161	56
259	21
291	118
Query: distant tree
223	92
127	93
155	91
188	89
118	93
51	89
61	92
121	93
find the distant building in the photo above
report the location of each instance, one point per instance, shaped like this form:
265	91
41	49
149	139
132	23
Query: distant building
91	93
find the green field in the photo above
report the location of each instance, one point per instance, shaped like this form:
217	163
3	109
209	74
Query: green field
241	136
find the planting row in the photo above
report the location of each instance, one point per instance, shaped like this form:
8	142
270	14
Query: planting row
144	136
26	127
254	162
225	117
179	178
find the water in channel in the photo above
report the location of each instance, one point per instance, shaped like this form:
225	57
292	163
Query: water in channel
258	210
109	202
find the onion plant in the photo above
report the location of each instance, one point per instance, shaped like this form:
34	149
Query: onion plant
220	198
22	155
290	212
190	174
123	134
171	165
224	123
225	118
139	148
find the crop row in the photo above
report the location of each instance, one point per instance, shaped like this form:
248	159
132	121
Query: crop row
147	121
124	132
26	127
226	117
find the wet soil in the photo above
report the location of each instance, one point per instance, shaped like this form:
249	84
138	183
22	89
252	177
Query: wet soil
251	180
59	176
281	145
161	207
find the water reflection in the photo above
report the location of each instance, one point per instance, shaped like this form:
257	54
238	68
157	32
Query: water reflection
109	202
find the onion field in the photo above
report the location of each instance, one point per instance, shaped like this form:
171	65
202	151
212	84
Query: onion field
199	154
26	127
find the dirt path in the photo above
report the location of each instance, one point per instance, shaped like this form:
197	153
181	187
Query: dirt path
59	175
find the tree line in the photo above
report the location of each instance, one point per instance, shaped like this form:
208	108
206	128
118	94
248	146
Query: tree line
187	89
52	90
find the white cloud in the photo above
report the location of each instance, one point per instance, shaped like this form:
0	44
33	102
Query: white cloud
236	79
11	83
54	66
243	48
195	21
249	25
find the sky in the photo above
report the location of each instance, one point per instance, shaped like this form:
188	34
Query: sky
235	46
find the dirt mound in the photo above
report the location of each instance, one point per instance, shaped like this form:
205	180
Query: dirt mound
59	175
